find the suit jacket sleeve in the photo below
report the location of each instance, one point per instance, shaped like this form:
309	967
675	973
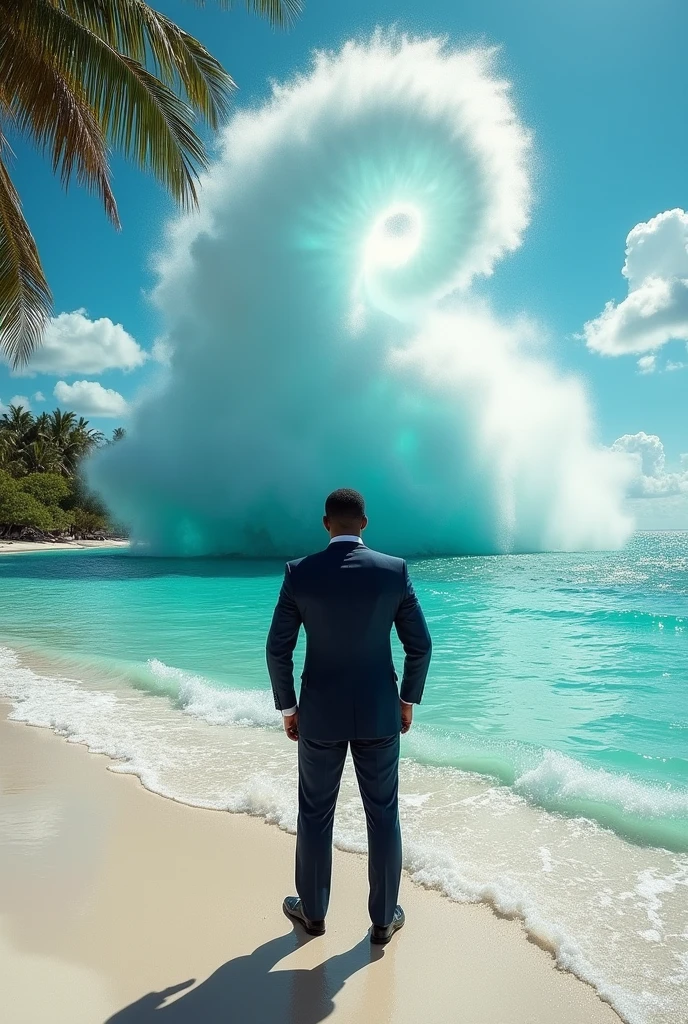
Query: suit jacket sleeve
413	632
284	631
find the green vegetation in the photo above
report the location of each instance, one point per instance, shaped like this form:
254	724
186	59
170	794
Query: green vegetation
80	78
42	493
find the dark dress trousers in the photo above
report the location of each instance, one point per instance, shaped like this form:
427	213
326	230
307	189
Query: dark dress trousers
348	598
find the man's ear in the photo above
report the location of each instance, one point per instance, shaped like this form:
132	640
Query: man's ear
364	522
326	523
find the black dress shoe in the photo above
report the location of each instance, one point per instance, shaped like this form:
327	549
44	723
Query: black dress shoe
292	908
382	933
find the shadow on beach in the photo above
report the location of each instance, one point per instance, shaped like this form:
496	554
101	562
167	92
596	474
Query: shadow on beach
247	991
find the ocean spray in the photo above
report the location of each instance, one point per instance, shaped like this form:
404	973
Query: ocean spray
321	331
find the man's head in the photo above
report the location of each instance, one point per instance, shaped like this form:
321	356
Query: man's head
345	513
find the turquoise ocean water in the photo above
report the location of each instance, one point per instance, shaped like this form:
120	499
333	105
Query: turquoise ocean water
547	771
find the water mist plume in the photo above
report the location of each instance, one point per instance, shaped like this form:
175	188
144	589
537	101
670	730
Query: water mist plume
322	333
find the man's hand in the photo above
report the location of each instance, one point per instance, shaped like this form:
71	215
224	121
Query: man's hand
406	716
291	725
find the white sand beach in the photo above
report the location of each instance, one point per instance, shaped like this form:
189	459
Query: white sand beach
111	896
22	547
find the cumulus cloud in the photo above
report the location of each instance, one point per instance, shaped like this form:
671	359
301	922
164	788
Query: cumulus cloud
22	400
650	478
647	364
39	397
17	400
320	331
75	344
90	398
656	308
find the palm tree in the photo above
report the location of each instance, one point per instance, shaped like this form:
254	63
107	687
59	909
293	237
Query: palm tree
41	456
60	424
41	424
53	442
90	437
16	426
17	421
78	76
72	438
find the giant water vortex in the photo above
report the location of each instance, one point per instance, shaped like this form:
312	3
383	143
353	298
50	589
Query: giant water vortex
323	332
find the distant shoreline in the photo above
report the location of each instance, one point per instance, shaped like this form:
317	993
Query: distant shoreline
23	547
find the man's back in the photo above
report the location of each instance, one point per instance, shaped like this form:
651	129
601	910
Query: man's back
348	597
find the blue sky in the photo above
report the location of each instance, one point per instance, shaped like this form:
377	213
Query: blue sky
603	85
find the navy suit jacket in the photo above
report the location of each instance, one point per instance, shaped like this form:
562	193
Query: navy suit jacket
348	598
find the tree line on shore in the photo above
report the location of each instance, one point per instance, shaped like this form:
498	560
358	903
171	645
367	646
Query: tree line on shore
43	494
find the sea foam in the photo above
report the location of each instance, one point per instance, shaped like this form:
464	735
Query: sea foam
647	813
214	705
558	782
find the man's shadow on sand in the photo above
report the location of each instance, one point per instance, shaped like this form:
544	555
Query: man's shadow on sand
246	991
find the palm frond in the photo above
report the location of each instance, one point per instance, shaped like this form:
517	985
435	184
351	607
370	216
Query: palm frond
25	299
209	91
280	13
180	60
152	126
138	112
76	75
53	110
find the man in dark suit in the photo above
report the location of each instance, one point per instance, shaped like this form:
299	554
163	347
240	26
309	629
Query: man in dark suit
348	598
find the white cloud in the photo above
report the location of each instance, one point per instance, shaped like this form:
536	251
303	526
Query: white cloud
22	400
657	248
75	344
90	398
651	479
16	400
647	364
656	308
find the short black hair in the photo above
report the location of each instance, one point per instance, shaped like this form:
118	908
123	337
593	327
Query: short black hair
344	504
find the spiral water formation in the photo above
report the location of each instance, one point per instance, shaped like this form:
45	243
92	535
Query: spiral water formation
322	332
